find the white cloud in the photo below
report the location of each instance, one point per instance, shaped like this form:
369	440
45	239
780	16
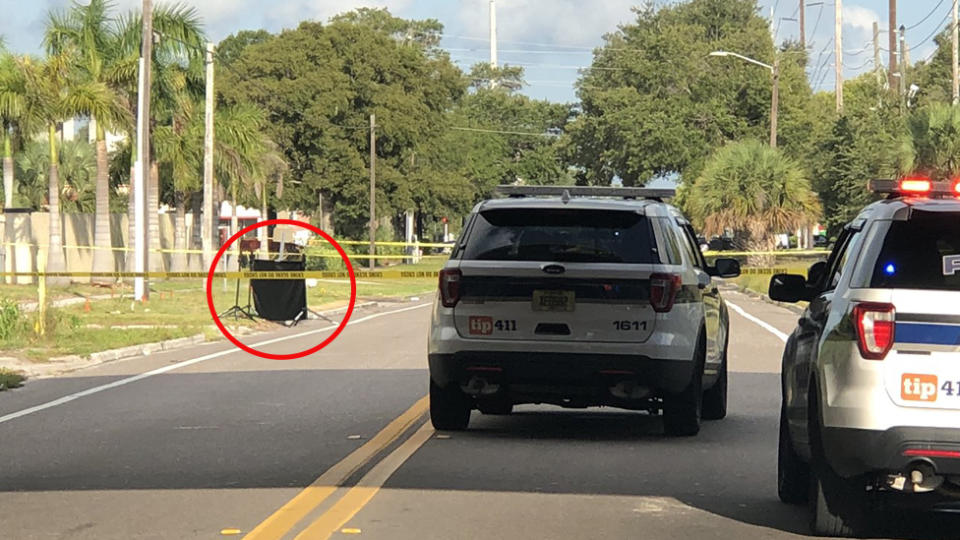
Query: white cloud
223	17
860	18
563	22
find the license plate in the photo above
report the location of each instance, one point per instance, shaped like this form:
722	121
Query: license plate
554	301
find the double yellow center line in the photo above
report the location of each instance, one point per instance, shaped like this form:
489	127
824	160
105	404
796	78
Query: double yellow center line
288	516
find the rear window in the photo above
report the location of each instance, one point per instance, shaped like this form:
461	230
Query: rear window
562	235
922	253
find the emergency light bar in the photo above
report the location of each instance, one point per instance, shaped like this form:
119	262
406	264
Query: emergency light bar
586	191
915	185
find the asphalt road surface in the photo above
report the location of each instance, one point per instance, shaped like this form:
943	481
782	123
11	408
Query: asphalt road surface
210	442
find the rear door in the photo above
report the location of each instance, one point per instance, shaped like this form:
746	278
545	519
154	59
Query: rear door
558	274
917	269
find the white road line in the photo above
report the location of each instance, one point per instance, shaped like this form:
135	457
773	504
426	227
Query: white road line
763	324
122	382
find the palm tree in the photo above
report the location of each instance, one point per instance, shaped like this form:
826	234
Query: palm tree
241	156
48	101
932	144
177	78
754	190
11	106
91	32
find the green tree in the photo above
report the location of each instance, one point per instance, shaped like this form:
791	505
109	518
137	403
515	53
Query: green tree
755	191
319	85
933	143
11	107
654	103
50	100
866	142
89	33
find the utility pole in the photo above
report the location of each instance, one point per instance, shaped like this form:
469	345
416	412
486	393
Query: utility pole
493	33
956	53
141	288
803	25
373	190
903	64
838	20
876	49
775	105
892	44
207	223
877	66
904	50
493	40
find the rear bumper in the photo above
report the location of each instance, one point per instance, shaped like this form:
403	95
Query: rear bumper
858	451
560	371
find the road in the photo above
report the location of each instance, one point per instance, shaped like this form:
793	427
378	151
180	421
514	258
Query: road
210	442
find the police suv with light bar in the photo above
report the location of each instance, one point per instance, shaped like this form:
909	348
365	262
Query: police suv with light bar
871	376
579	296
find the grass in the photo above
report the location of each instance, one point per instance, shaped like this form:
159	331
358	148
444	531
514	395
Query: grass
176	308
10	379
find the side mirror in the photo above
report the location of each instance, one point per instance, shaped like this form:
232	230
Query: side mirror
815	272
789	288
725	268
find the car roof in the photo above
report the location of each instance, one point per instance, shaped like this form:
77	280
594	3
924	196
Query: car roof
901	207
649	207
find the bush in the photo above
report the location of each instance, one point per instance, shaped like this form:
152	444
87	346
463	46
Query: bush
10	379
12	325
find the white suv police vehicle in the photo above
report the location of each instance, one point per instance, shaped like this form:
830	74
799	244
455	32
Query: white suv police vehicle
871	376
579	297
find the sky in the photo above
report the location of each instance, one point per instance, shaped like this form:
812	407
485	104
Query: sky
551	39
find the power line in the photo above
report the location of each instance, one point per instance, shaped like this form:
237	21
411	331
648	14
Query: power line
923	20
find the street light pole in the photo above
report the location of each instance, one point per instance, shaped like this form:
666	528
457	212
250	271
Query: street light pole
775	75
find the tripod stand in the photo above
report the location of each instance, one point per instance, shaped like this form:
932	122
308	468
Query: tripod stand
237	311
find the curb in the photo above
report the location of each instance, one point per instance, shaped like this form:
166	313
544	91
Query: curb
146	349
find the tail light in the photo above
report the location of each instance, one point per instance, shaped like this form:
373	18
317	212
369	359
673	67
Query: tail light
450	286
875	324
663	291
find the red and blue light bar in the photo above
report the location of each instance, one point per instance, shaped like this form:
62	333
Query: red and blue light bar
915	185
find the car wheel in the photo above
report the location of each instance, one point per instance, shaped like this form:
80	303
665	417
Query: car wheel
793	474
839	507
449	407
715	398
823	520
498	407
682	412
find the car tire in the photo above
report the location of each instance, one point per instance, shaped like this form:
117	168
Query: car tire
498	407
449	408
839	507
715	398
793	474
823	520
682	412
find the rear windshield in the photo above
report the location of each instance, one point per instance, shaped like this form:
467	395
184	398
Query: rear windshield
922	253
561	235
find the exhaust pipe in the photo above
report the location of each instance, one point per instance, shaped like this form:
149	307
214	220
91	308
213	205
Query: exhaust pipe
479	386
919	477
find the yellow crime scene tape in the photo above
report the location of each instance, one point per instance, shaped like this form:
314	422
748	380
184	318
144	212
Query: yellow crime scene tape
309	274
779	253
309	251
279	275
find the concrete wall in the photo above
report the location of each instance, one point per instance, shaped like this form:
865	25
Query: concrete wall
30	231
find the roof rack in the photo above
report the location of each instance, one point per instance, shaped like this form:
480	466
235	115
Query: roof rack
587	191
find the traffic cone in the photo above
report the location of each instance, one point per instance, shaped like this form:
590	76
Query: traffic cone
86	305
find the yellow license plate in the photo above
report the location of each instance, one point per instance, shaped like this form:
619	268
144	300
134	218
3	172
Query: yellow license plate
554	301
